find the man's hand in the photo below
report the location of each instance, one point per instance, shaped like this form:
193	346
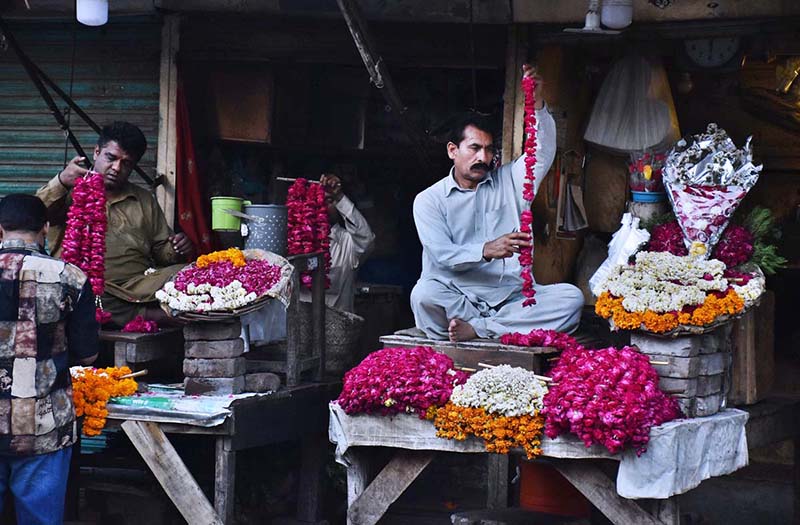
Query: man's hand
74	170
182	244
332	186
530	71
506	246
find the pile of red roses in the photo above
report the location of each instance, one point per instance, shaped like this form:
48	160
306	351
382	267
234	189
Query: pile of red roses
735	247
395	380
607	396
140	325
526	217
308	229
545	338
84	242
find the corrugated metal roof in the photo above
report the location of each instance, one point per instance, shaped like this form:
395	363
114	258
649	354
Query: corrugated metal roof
115	78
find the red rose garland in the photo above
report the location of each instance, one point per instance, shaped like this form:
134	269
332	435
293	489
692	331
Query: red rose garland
308	229
526	217
84	242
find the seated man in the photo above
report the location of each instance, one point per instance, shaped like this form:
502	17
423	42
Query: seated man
468	224
138	237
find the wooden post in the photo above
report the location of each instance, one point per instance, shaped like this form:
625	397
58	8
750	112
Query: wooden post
170	471
497	481
510	94
293	333
318	315
166	156
309	490
225	480
357	475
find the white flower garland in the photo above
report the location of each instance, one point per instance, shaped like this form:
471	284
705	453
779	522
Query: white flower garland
751	291
205	297
504	390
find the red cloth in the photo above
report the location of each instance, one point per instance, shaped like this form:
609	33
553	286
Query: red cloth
192	214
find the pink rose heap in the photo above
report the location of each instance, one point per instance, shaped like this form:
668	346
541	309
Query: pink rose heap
706	179
400	380
308	229
526	217
84	242
606	396
256	276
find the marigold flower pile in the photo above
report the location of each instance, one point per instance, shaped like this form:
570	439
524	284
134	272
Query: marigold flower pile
308	229
500	405
607	396
91	390
526	217
219	281
84	243
399	380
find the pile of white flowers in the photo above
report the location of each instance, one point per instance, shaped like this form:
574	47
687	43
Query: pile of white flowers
662	282
504	390
751	291
205	297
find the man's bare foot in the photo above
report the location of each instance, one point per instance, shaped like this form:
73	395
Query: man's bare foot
460	331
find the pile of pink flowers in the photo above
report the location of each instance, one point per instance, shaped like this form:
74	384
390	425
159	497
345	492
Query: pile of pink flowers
256	276
735	247
308	229
607	396
538	337
140	325
400	380
526	217
84	242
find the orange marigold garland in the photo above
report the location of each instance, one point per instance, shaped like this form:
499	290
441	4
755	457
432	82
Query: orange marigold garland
234	255
91	390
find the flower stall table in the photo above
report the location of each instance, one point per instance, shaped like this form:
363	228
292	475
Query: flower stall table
680	455
248	422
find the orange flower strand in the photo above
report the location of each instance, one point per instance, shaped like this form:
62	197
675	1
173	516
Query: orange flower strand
499	433
234	255
91	390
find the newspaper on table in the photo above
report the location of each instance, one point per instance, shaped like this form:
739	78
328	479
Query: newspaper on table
706	177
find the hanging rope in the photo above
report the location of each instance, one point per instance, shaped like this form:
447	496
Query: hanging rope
67	110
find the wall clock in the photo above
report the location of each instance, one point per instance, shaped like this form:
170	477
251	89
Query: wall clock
713	52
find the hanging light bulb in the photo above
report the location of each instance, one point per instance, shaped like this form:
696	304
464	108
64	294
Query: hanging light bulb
617	14
92	12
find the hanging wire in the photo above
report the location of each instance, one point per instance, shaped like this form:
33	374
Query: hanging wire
68	110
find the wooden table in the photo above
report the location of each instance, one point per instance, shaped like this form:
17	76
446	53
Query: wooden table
298	413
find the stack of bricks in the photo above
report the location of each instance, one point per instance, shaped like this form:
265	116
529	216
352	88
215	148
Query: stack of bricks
695	369
214	361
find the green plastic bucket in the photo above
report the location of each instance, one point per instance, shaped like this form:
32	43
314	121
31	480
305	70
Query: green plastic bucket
222	221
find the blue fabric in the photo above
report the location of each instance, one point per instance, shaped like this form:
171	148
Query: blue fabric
39	485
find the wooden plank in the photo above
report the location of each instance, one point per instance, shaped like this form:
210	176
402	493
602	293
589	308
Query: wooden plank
753	344
387	486
318	317
357	476
497	481
170	471
309	490
166	159
114	335
509	95
225	480
293	333
599	489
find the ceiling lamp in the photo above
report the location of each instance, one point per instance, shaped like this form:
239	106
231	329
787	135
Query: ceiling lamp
617	14
92	12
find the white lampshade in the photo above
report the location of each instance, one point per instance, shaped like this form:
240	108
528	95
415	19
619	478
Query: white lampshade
616	14
92	12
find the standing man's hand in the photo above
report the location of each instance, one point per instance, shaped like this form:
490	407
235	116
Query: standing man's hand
73	171
182	245
506	245
332	186
530	71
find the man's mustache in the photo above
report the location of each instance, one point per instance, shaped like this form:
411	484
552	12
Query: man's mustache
480	166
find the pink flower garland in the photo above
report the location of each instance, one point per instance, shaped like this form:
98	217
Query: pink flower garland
256	276
399	380
538	337
140	325
526	217
84	242
308	229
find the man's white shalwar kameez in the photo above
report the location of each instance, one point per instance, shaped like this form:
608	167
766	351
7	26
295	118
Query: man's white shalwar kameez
454	223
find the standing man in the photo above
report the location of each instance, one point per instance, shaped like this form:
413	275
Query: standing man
46	320
468	224
138	238
351	241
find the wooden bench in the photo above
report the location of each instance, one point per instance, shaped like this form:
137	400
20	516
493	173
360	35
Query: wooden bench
135	349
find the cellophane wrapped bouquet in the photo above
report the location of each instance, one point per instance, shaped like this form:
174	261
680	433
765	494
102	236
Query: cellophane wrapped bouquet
706	177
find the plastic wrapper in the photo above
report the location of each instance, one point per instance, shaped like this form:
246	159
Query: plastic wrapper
706	178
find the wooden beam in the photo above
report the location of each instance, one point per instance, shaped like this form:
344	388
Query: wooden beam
510	94
166	156
170	471
225	479
387	486
599	489
497	481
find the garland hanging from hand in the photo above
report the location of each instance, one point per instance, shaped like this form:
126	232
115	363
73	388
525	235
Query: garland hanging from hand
308	229
84	242
528	191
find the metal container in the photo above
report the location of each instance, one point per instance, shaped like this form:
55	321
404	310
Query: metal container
266	229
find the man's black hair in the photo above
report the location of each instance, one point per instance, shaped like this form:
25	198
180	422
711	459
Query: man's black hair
471	118
129	137
23	213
